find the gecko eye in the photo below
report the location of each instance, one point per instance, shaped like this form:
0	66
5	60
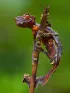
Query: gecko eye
27	17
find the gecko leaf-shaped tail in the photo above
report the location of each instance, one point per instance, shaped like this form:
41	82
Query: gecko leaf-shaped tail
44	19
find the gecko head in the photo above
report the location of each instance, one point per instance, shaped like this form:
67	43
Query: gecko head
25	20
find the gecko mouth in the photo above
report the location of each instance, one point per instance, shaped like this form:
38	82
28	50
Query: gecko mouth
19	21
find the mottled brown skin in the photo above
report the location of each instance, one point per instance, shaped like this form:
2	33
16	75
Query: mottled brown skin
28	21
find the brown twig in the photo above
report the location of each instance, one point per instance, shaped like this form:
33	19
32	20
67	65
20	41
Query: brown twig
35	57
41	33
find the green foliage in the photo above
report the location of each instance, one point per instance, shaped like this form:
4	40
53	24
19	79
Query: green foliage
16	45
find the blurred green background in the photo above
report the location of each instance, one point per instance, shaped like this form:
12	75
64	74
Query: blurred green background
16	45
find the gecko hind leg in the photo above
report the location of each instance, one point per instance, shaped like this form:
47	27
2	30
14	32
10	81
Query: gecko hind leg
44	79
